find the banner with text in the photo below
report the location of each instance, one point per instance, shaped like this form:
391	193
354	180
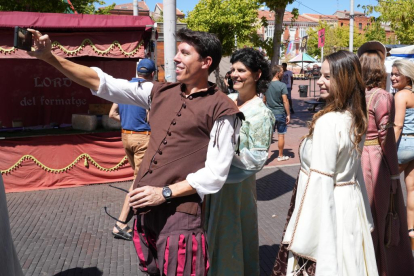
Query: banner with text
35	93
321	38
304	44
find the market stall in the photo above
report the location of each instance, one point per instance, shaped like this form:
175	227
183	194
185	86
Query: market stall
38	147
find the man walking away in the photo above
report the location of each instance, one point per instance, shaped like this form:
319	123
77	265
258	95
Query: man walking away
276	99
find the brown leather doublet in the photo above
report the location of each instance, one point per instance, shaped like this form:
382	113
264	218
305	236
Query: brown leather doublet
180	134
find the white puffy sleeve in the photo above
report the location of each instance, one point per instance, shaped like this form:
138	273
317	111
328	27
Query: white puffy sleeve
122	91
314	232
211	178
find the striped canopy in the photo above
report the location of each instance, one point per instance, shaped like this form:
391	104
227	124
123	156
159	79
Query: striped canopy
305	58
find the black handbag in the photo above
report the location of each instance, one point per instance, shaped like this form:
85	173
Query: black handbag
392	225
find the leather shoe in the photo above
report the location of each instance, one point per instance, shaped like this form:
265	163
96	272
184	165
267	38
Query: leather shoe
123	233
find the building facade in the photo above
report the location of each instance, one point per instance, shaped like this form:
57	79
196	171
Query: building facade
128	9
296	29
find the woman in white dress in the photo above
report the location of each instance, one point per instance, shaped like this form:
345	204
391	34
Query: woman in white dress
329	222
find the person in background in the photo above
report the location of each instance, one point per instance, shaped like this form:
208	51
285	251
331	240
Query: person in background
229	83
328	229
231	219
380	167
288	80
402	78
135	137
276	99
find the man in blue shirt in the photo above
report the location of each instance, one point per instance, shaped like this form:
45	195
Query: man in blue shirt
135	137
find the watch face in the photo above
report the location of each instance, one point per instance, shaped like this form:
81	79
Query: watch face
166	192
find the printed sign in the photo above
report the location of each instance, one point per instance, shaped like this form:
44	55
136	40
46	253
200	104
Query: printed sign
304	44
321	38
35	93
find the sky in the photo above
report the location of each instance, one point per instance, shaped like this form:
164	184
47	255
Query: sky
327	7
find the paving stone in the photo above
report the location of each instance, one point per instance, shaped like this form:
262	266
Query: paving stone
66	232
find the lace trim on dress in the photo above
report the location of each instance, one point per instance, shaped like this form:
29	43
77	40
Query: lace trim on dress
301	203
319	172
345	183
304	171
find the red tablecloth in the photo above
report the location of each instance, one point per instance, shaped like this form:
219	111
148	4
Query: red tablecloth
57	152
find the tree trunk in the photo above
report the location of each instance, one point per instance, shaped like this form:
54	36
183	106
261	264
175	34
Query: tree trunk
277	34
219	80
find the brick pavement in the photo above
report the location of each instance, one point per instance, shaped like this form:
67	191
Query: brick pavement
66	231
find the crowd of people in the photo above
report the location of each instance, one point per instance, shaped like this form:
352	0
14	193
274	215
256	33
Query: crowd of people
194	194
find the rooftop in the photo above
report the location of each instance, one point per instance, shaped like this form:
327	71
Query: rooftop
161	7
130	6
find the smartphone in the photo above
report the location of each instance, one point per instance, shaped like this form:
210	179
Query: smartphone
22	39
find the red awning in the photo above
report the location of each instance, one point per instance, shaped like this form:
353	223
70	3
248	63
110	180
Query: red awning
78	22
75	35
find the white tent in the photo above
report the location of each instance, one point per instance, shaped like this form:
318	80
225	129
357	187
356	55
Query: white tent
409	50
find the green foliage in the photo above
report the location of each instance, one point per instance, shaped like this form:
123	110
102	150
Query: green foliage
274	4
160	18
56	6
279	7
336	38
399	14
266	44
228	19
375	32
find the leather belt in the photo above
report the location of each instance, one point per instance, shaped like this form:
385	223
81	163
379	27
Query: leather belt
372	142
409	134
135	132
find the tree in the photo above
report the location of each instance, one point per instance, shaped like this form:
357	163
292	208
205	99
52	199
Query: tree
279	7
336	38
398	13
266	44
230	20
56	6
375	32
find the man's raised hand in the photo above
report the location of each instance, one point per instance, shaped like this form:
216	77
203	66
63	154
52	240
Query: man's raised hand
42	45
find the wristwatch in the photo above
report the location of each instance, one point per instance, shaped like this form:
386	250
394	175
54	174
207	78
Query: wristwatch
167	193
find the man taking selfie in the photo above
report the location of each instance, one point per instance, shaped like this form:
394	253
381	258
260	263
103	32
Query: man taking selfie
193	136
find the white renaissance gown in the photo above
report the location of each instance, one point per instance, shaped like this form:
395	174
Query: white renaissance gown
331	222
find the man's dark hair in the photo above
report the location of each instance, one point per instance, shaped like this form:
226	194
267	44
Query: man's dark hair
255	61
284	64
206	45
